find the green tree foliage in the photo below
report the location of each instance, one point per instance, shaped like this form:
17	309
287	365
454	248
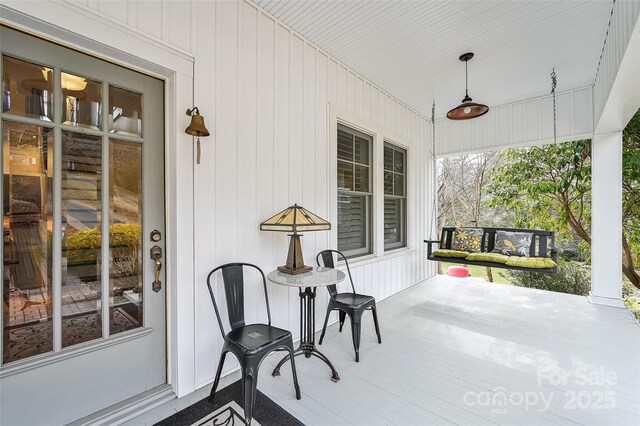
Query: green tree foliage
547	187
631	191
550	187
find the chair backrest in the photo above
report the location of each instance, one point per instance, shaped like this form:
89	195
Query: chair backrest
327	260
233	279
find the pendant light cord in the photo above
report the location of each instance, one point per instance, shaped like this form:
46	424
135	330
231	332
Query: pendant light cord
466	78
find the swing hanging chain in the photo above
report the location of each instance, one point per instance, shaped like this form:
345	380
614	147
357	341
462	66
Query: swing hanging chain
434	229
433	130
554	83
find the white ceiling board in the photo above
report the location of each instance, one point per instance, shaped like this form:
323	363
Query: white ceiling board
411	48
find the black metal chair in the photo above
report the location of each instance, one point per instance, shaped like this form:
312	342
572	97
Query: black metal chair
250	343
351	304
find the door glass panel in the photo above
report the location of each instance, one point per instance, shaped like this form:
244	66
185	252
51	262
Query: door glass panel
27	89
125	240
26	229
81	222
82	101
125	114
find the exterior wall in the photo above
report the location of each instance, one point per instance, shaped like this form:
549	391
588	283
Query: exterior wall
270	100
273	102
524	123
624	21
107	38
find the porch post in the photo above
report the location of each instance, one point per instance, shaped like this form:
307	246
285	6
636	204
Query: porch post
606	220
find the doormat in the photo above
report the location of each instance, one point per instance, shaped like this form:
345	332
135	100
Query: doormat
227	409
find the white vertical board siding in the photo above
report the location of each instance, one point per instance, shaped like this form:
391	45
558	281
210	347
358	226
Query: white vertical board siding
273	91
205	100
265	93
166	20
623	22
528	122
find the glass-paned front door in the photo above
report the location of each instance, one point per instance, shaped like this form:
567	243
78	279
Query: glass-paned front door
82	195
73	200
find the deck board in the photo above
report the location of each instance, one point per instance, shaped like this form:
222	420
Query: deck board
447	337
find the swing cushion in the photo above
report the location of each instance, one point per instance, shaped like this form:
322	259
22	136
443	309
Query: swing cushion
513	243
467	239
450	253
531	262
488	257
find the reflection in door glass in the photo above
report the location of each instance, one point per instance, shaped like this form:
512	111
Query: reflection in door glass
125	114
82	101
81	223
26	229
27	89
125	226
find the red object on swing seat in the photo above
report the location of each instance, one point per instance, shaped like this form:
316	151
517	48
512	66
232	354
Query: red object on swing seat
458	271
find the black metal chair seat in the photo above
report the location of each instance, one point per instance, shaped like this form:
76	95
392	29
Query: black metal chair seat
254	338
250	343
352	304
354	300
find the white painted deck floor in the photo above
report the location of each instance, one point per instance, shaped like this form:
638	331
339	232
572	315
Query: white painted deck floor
464	352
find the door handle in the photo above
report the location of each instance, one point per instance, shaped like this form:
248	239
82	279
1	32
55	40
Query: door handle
156	255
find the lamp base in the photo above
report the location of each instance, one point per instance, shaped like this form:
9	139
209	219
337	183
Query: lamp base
295	263
291	271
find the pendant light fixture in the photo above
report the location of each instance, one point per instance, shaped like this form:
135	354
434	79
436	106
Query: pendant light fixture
467	109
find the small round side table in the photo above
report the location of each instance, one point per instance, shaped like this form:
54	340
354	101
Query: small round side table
309	281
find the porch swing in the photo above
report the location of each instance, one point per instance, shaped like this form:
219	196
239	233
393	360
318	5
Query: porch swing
516	249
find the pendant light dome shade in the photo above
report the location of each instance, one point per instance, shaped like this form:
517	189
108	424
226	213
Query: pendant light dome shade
467	109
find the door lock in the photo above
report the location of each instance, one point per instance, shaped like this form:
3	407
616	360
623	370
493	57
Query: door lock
156	254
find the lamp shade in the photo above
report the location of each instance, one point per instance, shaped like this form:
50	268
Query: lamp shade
295	219
467	109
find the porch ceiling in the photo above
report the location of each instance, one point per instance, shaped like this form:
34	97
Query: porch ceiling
411	48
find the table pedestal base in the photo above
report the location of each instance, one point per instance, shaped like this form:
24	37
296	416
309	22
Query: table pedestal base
307	336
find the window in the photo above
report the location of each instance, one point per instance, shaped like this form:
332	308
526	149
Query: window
354	192
395	197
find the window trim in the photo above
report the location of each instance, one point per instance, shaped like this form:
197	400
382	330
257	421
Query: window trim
403	205
369	196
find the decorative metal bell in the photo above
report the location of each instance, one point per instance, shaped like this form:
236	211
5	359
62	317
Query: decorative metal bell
196	127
